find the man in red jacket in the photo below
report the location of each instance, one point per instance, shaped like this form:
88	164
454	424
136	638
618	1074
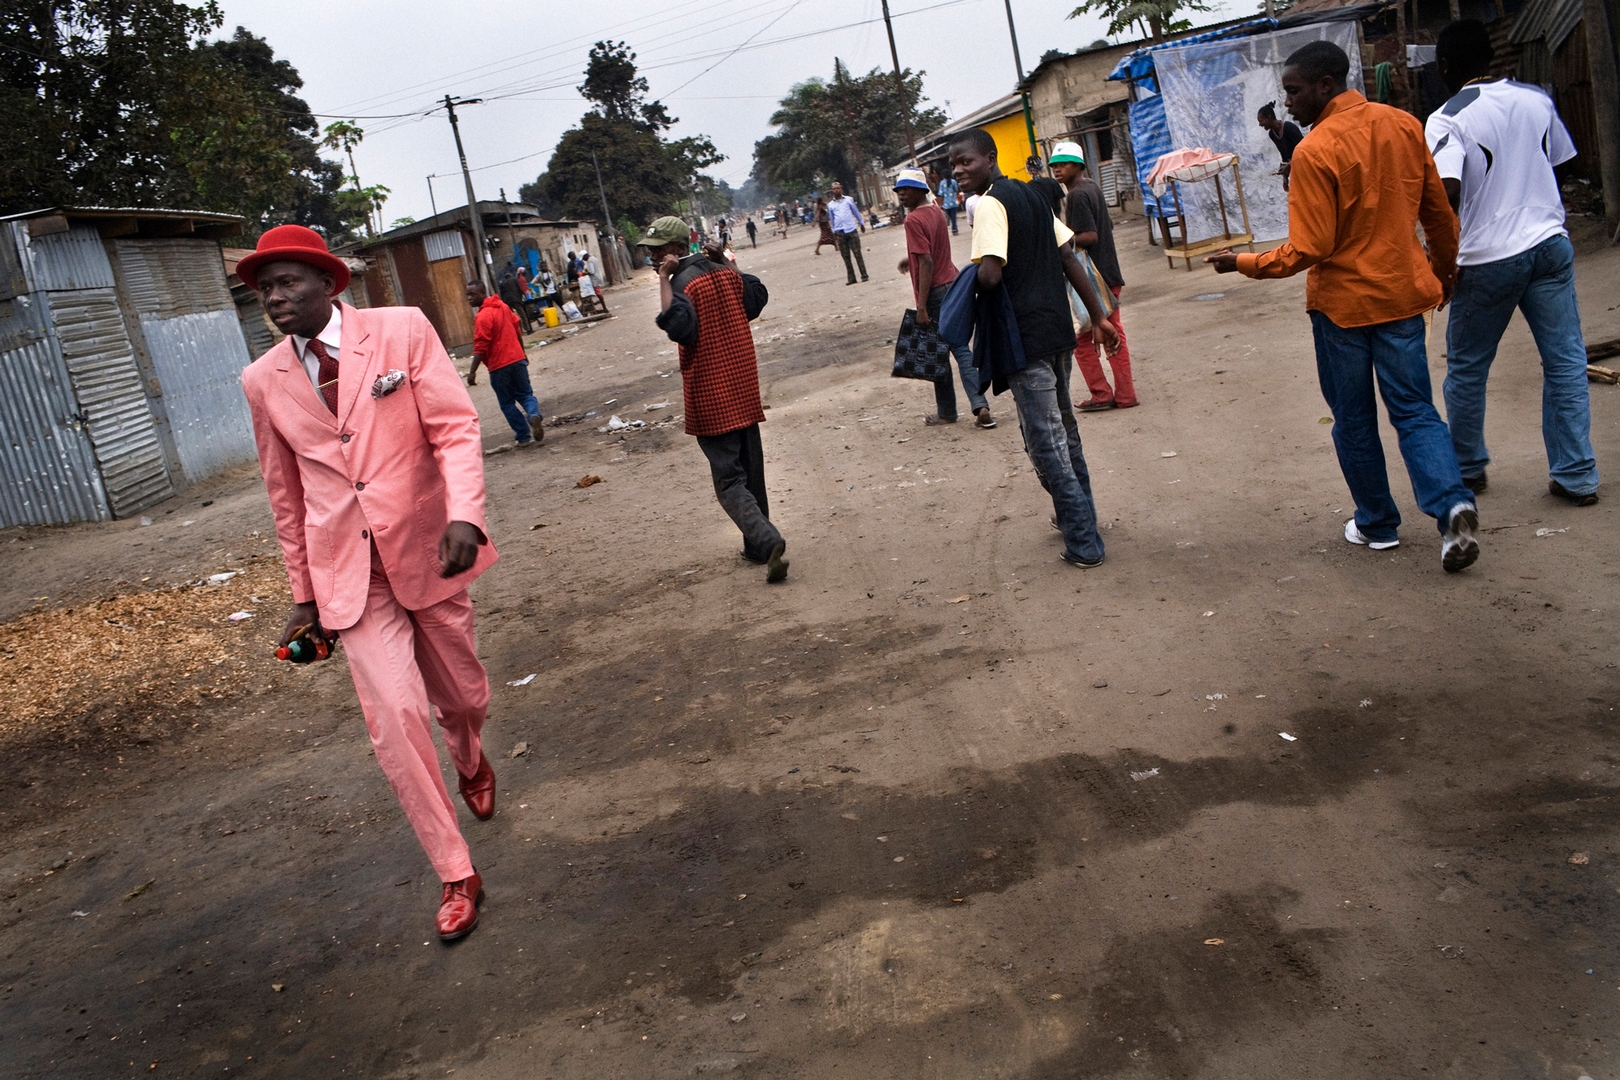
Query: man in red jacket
719	378
497	347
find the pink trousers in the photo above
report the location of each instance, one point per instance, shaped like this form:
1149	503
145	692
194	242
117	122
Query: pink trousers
1085	355
406	663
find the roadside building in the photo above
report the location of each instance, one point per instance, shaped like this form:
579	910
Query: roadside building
428	263
121	357
1072	98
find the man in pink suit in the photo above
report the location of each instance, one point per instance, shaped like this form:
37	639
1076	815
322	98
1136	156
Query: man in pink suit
371	451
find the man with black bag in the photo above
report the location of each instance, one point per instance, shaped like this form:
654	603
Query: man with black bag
928	258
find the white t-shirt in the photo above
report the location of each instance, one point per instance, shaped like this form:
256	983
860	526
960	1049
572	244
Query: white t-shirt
1501	140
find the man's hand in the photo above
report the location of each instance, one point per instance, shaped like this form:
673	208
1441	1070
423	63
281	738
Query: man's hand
1446	289
458	548
905	265
1224	262
922	316
668	265
472	377
1104	334
303	617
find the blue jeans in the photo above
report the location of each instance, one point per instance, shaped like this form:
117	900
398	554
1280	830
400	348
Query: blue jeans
511	386
1347	361
944	390
1541	283
1052	440
950	214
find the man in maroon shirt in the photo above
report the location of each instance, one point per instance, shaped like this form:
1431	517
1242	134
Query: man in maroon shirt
705	307
496	347
928	257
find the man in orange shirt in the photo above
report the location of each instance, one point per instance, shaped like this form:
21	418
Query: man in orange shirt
496	345
1360	183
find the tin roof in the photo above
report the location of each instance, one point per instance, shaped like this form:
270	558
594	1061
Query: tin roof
1549	20
114	221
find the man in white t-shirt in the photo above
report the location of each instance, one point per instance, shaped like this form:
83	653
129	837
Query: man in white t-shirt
1496	143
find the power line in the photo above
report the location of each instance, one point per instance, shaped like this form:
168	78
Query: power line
785	13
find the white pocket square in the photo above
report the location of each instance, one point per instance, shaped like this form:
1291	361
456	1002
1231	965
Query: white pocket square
387	384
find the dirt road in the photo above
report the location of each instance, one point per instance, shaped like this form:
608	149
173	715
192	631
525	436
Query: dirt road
941	806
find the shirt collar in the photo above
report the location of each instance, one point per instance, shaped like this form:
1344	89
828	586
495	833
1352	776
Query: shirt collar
1349	99
331	337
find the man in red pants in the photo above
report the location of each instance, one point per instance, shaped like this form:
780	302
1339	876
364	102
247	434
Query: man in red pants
1086	212
372	456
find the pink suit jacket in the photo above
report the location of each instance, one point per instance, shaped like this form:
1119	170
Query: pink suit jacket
391	471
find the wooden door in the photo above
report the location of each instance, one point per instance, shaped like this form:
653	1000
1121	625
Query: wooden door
456	315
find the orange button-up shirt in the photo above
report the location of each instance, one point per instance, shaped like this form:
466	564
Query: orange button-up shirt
1359	185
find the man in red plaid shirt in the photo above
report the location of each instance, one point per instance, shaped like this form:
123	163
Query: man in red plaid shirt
705	306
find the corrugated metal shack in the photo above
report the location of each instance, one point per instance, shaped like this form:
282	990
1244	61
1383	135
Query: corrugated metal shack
427	263
120	361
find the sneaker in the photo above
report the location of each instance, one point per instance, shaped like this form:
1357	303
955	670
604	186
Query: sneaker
936	420
1356	536
1458	548
1477	484
526	442
983	419
538	426
1555	488
776	566
1081	563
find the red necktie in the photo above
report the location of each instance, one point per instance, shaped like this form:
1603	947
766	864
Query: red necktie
326	377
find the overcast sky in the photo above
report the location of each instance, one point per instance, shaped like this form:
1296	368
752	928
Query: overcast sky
379	58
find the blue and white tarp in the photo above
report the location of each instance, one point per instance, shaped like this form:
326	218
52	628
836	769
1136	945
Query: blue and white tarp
1212	92
1150	139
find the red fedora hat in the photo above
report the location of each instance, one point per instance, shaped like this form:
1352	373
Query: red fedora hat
299	244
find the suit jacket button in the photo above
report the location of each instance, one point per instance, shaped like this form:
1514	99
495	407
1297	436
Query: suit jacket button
364	535
360	485
345	437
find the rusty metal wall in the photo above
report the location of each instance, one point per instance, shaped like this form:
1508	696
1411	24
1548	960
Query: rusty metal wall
173	277
67	260
100	361
48	472
199	360
176	288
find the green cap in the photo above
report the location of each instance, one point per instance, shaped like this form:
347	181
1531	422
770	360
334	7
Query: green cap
666	230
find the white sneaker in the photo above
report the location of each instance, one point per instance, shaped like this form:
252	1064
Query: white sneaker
1355	536
1458	548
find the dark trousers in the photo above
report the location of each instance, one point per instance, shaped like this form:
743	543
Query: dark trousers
851	242
516	398
522	314
737	463
950	213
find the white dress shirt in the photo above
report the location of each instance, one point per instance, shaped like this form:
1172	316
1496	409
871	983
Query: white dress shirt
331	337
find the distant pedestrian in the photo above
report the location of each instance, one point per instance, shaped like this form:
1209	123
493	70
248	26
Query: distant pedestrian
548	288
496	347
782	218
844	216
1496	143
1023	256
705	306
1285	135
824	235
928	261
572	269
753	232
1369	282
512	296
593	266
1086	214
949	193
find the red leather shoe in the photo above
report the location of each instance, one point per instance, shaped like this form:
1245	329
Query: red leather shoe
458	911
479	790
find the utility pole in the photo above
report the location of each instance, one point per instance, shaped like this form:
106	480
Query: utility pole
1018	63
900	87
620	271
472	200
1606	102
431	200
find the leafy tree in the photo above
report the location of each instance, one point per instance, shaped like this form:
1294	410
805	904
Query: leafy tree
124	102
1154	17
833	130
645	175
